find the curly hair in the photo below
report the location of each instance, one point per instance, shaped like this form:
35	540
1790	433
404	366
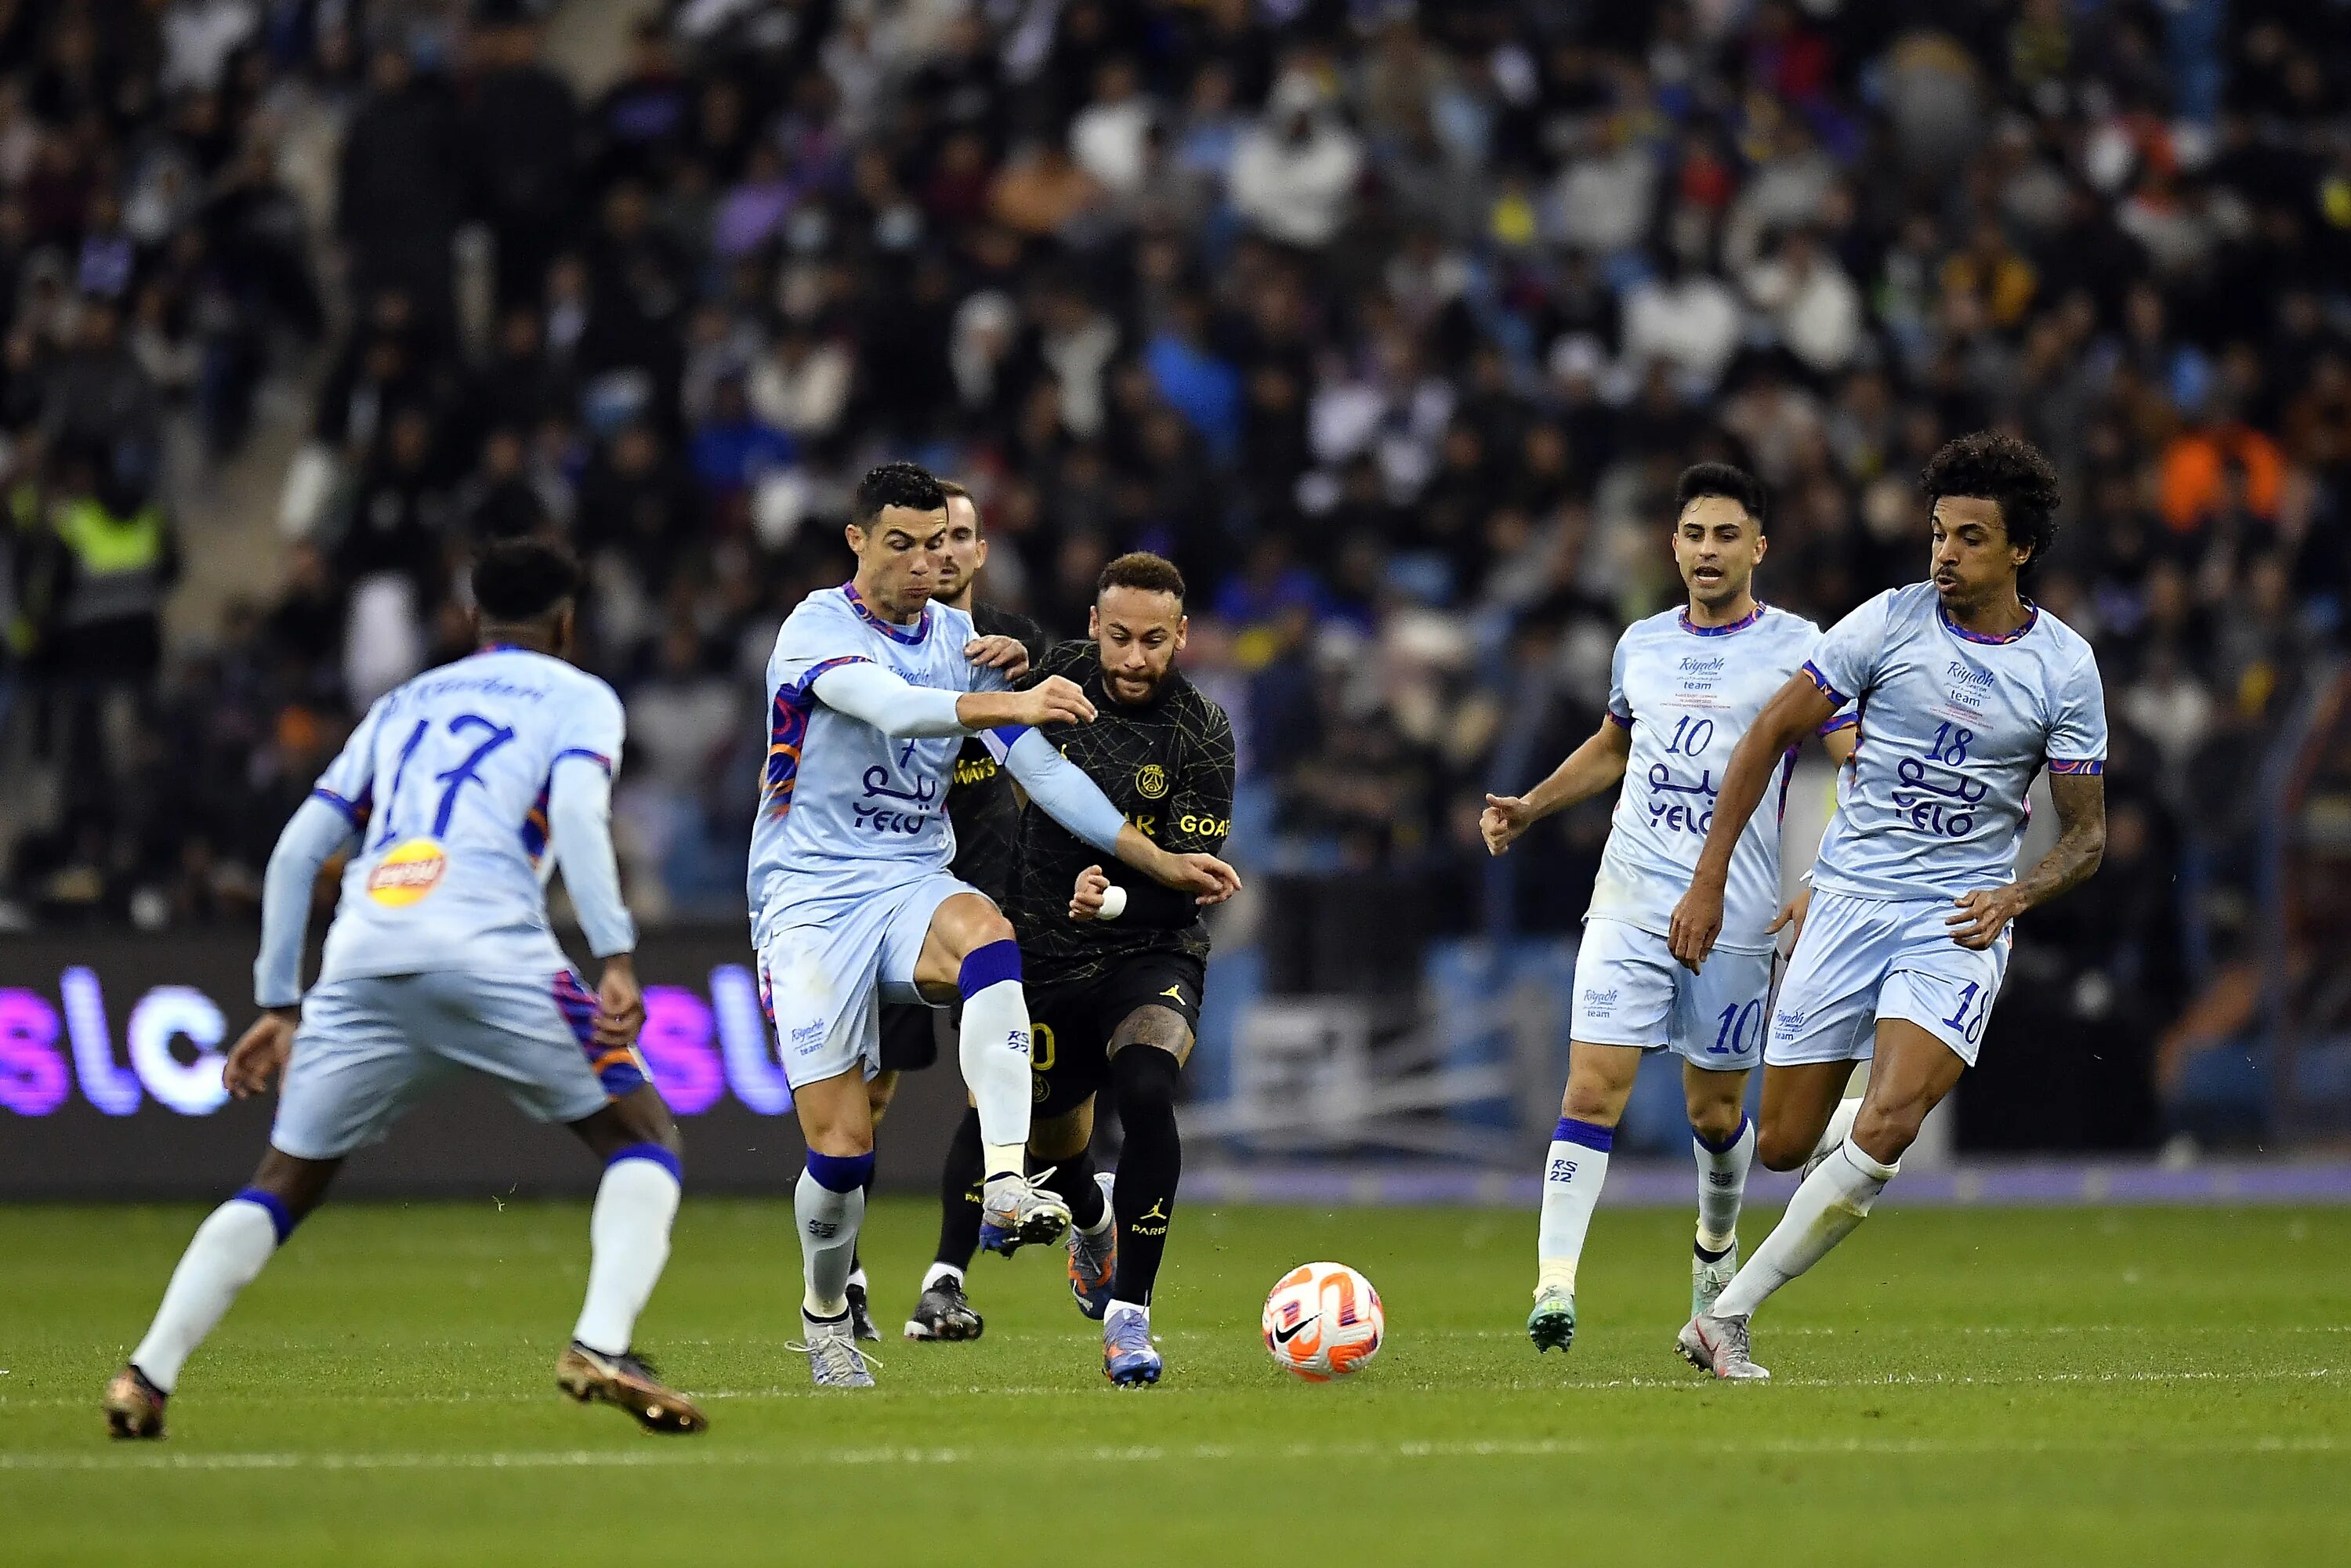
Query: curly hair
1142	570
2010	472
907	485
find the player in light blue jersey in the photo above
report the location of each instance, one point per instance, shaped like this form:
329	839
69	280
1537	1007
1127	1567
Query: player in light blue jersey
1967	692
454	800
1682	688
872	688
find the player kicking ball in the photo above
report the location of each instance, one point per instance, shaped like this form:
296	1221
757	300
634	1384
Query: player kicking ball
449	798
872	689
1684	688
1118	966
1971	690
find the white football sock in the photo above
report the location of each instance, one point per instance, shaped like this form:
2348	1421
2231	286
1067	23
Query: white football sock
1840	1126
994	1053
937	1271
828	1224
1722	1186
628	1236
1829	1206
1121	1309
227	1252
1572	1176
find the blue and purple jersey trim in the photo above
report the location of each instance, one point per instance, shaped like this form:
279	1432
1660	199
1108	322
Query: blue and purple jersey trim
896	633
619	1069
2077	764
355	812
1813	673
788	722
2031	619
1741	624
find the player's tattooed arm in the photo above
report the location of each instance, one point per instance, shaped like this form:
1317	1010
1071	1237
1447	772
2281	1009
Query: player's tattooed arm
1796	710
1597	765
2081	802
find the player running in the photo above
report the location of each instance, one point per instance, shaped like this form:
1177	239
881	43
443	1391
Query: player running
986	817
1118	964
1970	691
449	799
873	690
1684	688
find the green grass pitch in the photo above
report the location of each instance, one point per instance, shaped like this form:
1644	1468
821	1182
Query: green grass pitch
2079	1386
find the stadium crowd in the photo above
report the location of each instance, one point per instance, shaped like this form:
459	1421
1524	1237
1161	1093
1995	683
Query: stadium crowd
1391	325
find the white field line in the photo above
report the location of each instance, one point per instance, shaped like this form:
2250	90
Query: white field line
701	1455
1688	1382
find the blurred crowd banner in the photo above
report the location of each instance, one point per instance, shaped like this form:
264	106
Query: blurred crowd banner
110	1049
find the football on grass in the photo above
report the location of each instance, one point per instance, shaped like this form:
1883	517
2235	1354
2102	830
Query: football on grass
1323	1321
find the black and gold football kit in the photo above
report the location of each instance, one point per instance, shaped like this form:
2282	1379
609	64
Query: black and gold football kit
1168	765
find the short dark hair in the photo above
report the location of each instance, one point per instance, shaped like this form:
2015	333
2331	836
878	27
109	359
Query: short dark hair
1144	571
907	485
519	580
1731	484
1991	465
952	488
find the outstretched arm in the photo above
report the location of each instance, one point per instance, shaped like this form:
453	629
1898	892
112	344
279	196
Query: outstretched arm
2081	802
897	707
1796	711
1060	789
1598	764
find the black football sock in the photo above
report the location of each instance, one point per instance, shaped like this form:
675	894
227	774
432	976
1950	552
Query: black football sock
1073	1183
962	1180
1143	1079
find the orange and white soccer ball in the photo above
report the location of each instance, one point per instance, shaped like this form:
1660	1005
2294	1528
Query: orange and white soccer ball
1323	1321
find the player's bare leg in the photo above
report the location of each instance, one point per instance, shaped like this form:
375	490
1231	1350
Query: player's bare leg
1723	1141
1065	1144
828	1206
636	1202
1599	1082
227	1253
1801	1101
1913	1072
969	950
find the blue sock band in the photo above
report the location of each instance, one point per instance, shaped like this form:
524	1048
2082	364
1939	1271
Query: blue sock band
279	1219
1586	1134
1729	1143
654	1152
841	1173
989	965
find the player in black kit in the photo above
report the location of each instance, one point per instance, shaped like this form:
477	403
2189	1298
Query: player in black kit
987	818
1114	966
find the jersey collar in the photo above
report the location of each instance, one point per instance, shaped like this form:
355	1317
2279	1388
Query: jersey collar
1741	624
896	633
2031	619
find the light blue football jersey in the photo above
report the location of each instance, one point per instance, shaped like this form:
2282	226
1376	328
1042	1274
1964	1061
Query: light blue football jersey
843	808
446	780
1689	694
1954	727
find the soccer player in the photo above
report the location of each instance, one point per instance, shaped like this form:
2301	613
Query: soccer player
1118	974
872	691
1969	690
986	820
1684	688
450	798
